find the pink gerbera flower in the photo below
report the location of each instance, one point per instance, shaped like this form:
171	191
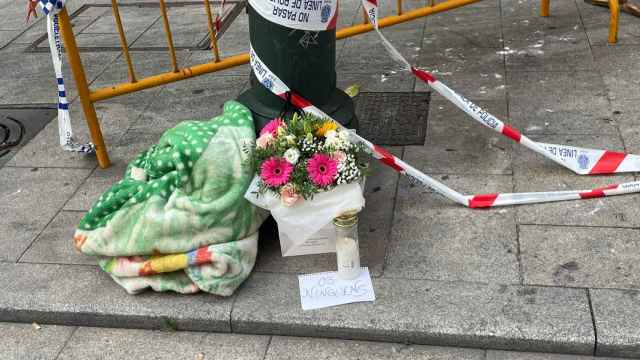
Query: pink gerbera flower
275	171
272	127
322	169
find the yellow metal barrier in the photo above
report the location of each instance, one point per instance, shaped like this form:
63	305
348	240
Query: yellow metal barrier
614	9
89	97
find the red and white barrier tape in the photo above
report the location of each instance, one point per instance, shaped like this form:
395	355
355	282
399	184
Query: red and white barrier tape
279	88
582	161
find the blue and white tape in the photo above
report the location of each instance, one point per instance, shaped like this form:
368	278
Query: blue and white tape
51	8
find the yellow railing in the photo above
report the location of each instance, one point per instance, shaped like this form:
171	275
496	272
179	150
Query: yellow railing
88	97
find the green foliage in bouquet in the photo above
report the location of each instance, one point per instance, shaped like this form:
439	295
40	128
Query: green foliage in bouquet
306	155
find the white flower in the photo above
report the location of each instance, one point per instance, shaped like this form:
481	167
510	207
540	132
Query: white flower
292	155
345	136
330	134
333	141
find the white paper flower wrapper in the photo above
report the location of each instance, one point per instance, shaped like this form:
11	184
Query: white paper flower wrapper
300	221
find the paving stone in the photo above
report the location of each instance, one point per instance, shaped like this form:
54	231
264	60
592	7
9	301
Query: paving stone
531	9
6	36
44	150
311	349
14	17
579	256
425	312
175	105
449	147
625	116
374	227
31	198
124	151
188	28
511	355
377	82
32	79
559	103
367	52
147	63
617	321
135	20
55	245
434	238
532	172
549	53
95	343
24	342
86	296
616	64
465	27
476	73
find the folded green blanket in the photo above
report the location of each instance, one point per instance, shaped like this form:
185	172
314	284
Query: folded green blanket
178	219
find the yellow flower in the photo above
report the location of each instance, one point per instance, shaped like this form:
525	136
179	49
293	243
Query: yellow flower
326	127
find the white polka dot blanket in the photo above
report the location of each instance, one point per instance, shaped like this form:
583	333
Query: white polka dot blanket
178	220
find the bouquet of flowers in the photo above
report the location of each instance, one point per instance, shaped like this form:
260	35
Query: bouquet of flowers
304	156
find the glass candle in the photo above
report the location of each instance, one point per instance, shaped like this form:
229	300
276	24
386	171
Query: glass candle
347	248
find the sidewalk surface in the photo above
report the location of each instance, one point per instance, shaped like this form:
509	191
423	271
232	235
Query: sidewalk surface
560	277
54	342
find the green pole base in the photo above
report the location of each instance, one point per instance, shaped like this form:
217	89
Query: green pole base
340	107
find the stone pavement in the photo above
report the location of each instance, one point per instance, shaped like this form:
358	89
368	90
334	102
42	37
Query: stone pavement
548	278
54	342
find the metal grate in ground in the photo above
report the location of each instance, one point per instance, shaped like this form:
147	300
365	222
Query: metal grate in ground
18	125
393	118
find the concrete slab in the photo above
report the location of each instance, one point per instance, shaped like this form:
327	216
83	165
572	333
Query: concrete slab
466	27
425	312
31	78
32	197
532	172
478	245
121	153
6	36
406	37
86	296
23	341
476	73
617	321
377	82
579	256
457	144
625	115
55	245
315	349
511	355
44	150
616	63
175	105
87	343
188	27
559	103
550	53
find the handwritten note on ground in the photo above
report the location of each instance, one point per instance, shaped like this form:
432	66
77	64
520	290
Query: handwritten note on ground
325	289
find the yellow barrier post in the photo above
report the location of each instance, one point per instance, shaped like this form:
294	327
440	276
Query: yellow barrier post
213	33
167	30
544	8
83	89
399	9
614	8
123	40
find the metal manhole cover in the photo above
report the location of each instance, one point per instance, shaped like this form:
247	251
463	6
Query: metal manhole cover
18	125
392	118
95	30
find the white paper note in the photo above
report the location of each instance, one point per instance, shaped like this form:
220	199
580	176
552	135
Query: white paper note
326	289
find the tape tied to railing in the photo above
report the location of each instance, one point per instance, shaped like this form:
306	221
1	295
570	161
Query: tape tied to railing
597	161
51	8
